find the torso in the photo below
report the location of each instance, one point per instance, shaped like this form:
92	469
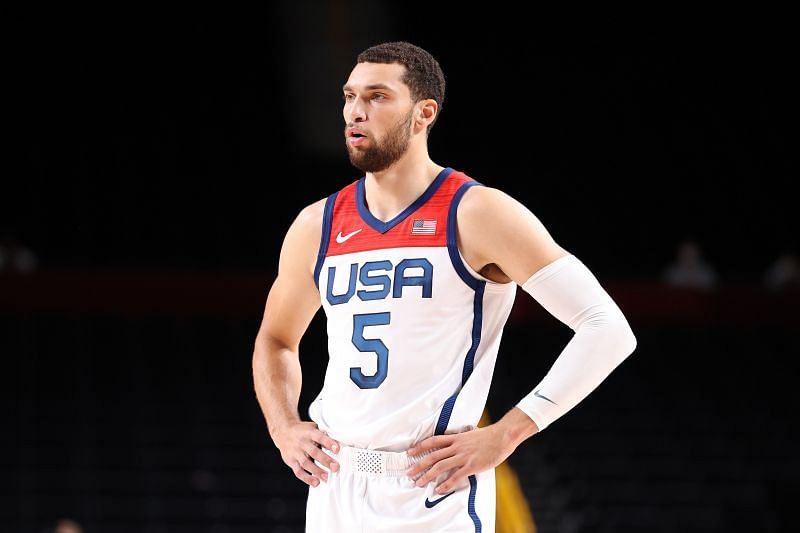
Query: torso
413	330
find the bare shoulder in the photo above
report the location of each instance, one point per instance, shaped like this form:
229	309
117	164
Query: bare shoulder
497	231
485	210
301	243
483	201
310	216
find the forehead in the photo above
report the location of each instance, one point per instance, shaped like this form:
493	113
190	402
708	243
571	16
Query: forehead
365	75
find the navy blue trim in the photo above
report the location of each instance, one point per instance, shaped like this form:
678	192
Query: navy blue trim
327	219
444	417
477	323
452	244
473	488
469	360
379	225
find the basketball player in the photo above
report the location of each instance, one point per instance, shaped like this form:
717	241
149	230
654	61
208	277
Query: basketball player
416	267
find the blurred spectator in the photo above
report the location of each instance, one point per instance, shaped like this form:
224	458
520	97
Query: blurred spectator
784	272
16	257
65	525
689	268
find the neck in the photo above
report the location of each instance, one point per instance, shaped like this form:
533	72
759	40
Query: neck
392	190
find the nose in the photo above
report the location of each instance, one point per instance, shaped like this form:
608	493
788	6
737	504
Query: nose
355	111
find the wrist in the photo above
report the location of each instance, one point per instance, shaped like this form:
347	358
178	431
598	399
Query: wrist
278	429
515	427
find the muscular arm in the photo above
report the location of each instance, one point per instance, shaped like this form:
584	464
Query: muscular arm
501	237
291	304
504	241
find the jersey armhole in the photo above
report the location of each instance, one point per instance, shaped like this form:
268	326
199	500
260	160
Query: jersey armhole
327	218
464	270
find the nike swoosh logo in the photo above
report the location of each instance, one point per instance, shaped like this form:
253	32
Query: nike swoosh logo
430	504
536	393
341	238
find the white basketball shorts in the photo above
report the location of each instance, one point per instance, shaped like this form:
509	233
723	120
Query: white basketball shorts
370	493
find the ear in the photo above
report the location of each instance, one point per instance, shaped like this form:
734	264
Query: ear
425	112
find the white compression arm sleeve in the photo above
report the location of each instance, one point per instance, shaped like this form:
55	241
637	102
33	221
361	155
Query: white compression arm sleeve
569	291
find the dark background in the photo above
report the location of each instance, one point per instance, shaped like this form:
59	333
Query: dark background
157	157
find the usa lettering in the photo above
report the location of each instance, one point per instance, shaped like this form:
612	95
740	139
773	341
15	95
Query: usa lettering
377	280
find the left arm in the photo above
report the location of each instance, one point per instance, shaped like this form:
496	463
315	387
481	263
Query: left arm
503	240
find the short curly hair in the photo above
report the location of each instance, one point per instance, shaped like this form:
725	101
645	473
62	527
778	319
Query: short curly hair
423	76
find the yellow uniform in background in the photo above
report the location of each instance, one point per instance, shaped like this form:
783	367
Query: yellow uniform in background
513	513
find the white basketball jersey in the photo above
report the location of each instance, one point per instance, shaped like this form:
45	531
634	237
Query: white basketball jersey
413	331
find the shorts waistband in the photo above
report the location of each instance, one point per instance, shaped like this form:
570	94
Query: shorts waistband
375	462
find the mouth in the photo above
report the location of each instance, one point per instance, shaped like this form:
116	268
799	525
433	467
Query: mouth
355	137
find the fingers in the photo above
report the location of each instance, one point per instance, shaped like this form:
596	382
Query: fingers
307	457
428	461
326	442
437	441
311	466
454	481
305	471
436	470
323	458
321	440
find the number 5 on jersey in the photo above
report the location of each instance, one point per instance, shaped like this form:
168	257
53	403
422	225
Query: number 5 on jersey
370	345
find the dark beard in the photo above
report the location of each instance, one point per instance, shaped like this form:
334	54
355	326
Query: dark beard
383	154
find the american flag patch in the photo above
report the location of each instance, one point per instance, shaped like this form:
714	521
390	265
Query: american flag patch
421	226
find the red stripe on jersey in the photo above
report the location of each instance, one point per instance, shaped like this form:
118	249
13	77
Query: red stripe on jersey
350	233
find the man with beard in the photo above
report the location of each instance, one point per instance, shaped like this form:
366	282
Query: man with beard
416	266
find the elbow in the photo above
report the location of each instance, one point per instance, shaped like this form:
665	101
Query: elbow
260	348
625	337
630	341
268	347
619	330
258	359
615	327
623	333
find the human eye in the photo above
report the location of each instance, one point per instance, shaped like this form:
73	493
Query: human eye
347	97
378	96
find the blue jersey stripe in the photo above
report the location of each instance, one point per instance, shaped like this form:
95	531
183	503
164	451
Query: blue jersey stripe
473	488
469	360
379	225
327	219
452	244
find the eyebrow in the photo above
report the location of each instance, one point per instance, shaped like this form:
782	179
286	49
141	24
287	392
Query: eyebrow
373	87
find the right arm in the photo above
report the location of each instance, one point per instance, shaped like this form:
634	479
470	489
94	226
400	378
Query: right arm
291	304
